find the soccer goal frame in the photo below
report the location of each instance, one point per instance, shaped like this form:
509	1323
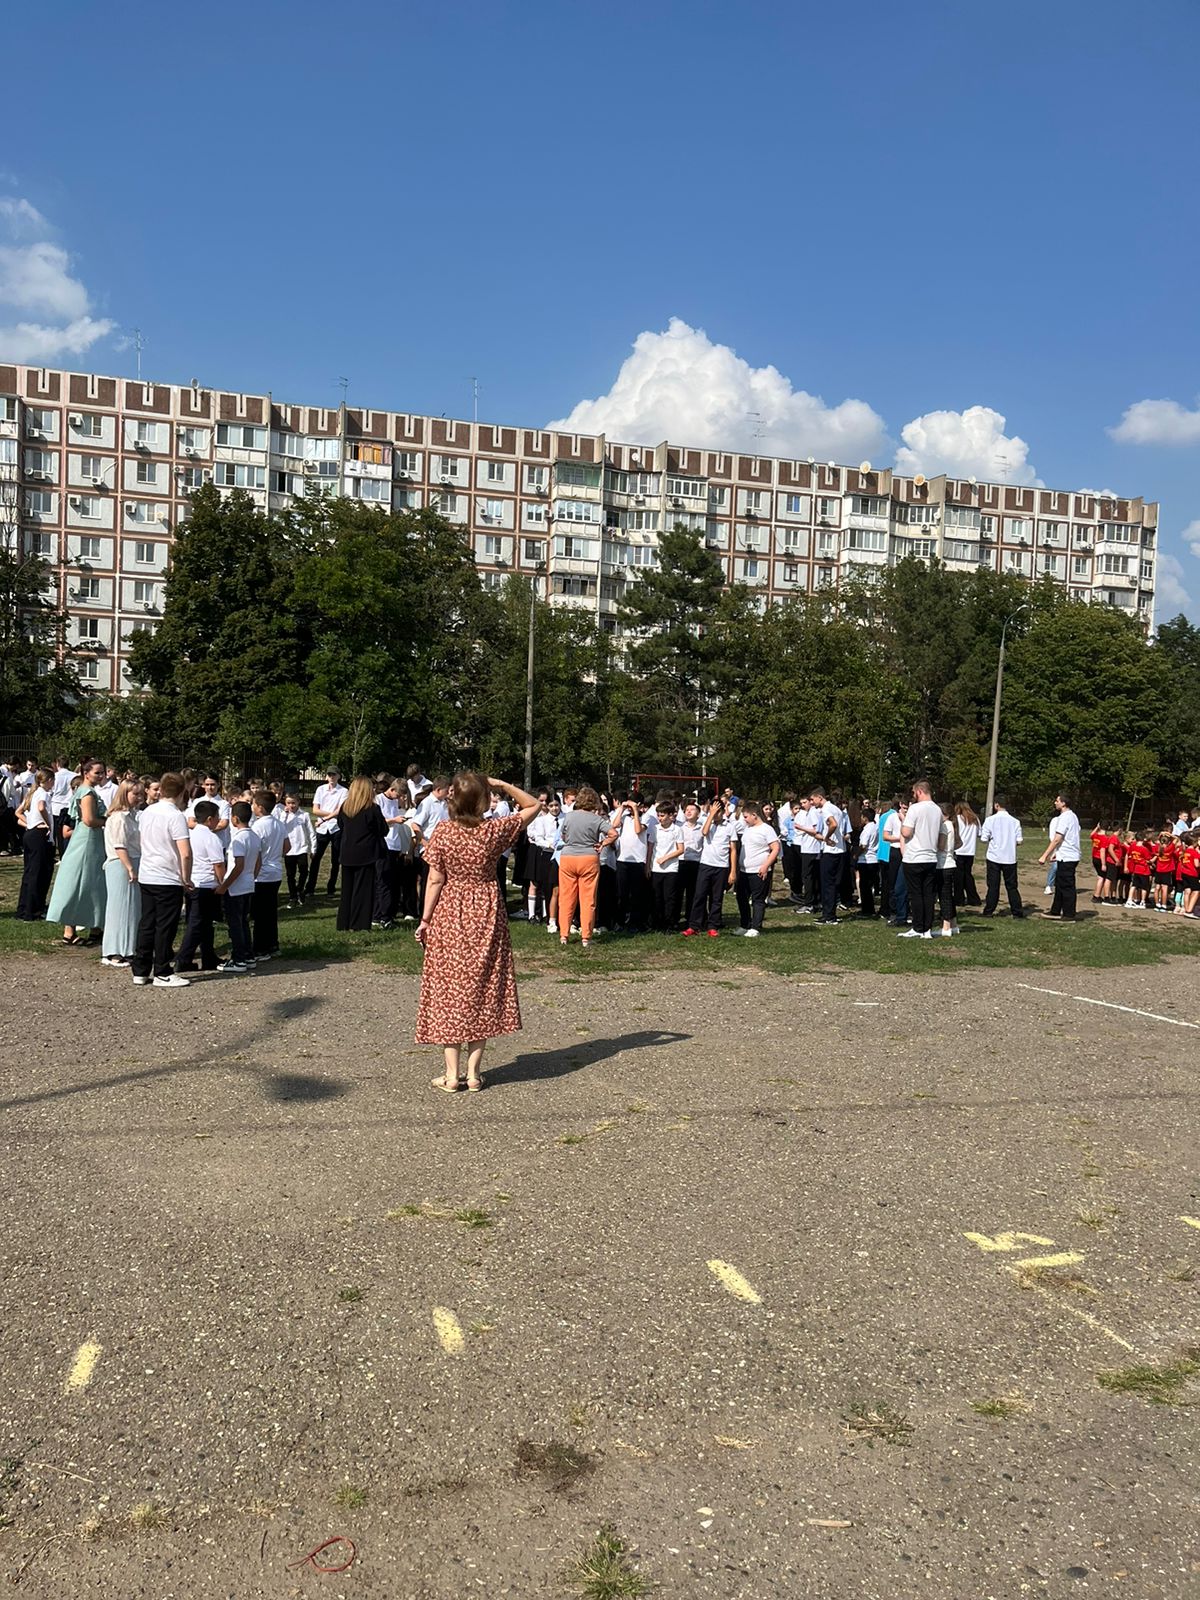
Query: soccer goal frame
683	782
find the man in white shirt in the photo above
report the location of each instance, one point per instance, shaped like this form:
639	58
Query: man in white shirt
919	832
164	873
716	873
272	841
825	826
1002	834
432	810
416	781
60	799
806	823
208	869
1064	847
329	799
758	851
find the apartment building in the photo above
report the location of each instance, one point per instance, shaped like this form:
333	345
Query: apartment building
96	473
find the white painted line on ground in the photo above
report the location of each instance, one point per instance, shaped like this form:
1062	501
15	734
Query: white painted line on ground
731	1279
83	1366
1061	1305
1192	1222
1110	1005
449	1331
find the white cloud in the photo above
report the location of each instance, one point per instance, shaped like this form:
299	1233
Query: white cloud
964	444
1191	537
1158	422
678	385
51	309
1169	589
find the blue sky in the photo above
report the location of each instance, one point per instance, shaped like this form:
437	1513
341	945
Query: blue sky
924	208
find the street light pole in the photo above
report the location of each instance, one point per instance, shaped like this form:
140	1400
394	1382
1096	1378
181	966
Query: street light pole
529	682
991	785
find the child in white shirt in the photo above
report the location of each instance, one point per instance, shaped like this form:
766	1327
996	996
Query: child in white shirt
666	853
238	887
299	845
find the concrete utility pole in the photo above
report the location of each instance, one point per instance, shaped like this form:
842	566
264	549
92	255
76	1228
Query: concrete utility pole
991	787
529	682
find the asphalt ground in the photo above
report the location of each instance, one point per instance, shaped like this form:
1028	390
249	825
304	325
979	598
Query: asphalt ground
726	1263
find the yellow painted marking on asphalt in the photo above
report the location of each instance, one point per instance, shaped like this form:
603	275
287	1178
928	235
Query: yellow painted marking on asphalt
1065	1258
1192	1222
449	1331
1004	1241
83	1366
1061	1305
730	1278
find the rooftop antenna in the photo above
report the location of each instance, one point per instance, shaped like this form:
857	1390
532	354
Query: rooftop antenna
1004	466
138	342
344	385
760	431
475	399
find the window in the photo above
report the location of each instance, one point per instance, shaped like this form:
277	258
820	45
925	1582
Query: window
635	483
233	475
827	544
446	466
868	505
572	548
495	472
190	478
532	550
87	589
40	544
863	538
754	499
146	472
1053	532
987	527
367	488
89	548
197	439
1111	563
88	505
406	463
797	505
493	510
691	488
535	512
1080	566
921	548
39	503
144	592
962	517
492	580
572	473
241	437
573	586
641	555
8	452
578	511
447	503
376	455
791	539
8	408
751	567
91	466
1118	533
322	450
1147	572
916	513
39	462
88	669
959	550
39	421
1018	528
828	509
1052	565
493	546
407	499
145	433
89	628
535	477
717	498
88	426
791	572
824	578
144	552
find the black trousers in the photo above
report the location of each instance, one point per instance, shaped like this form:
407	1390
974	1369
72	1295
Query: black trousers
60	820
831	877
666	889
297	876
35	876
711	883
200	911
387	885
607	898
751	899
406	879
358	898
161	905
1008	871
1063	904
632	895
868	882
265	912
333	843
237	920
948	879
687	885
964	881
810	879
921	878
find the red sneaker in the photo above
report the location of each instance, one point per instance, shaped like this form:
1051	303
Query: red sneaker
690	933
713	933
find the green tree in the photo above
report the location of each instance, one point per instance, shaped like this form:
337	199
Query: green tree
39	691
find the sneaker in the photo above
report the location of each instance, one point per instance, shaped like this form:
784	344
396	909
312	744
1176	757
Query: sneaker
690	933
271	957
802	911
172	980
552	927
1051	916
141	982
909	933
739	933
828	922
752	933
925	935
235	967
1047	890
113	961
714	933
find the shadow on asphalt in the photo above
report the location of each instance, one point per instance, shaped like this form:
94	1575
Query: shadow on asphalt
575	1057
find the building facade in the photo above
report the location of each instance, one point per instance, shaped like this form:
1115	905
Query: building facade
95	475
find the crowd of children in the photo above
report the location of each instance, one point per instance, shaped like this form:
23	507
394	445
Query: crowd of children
616	864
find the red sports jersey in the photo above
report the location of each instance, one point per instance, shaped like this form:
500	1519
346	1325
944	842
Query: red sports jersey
1137	859
1117	849
1189	861
1166	857
1100	841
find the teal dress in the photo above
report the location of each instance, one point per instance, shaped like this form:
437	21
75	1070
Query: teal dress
79	894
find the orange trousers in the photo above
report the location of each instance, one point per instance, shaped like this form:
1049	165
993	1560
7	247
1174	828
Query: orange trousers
578	877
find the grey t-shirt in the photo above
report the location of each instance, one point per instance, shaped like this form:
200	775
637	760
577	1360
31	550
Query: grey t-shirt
582	832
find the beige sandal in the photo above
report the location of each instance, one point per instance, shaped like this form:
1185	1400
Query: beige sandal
446	1088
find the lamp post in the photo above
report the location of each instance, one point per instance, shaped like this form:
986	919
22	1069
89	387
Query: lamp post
991	786
539	567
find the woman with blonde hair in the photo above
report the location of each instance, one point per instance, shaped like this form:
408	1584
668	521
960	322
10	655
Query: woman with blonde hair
468	982
364	839
122	852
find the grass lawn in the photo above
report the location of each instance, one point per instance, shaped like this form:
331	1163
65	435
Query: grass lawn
789	944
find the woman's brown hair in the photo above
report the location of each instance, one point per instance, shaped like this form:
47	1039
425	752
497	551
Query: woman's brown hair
964	813
468	799
587	799
361	795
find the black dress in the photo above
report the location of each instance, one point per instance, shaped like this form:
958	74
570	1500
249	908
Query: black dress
363	837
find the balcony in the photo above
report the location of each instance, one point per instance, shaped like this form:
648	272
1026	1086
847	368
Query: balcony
859	519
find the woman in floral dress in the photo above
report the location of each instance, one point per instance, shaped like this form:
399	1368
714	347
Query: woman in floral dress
468	984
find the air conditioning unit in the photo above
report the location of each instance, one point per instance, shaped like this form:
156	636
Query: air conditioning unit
75	420
149	606
76	501
35	433
98	483
190	450
675	500
639	499
131	508
141	444
311	466
446	479
42	477
540	488
1085	547
403	472
73	594
206	475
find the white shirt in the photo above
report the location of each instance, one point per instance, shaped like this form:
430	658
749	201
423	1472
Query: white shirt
1180	827
868	844
925	819
221	804
832	844
715	852
693	842
121	833
631	846
60	794
666	840
968	838
1066	823
329	797
207	850
301	841
1002	834
272	837
26	780
945	845
243	846
429	813
37	811
162	826
756	844
541	831
810	817
415	785
107	791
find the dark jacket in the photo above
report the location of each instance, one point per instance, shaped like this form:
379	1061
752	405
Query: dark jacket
362	836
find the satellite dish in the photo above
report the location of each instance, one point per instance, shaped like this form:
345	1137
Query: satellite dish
812	461
864	466
831	463
919	480
972	481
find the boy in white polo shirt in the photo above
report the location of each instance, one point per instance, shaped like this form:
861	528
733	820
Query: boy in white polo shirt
758	850
272	837
164	872
208	868
717	872
238	888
